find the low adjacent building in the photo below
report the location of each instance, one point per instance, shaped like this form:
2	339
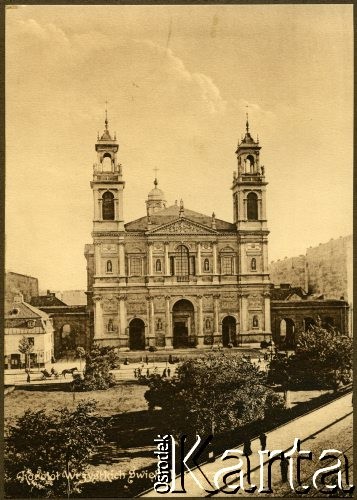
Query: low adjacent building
293	310
70	322
24	320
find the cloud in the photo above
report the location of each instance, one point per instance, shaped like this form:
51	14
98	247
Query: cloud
209	92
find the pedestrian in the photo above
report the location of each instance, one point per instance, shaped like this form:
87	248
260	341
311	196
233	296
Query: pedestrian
135	373
147	359
246	448
284	466
169	372
164	373
28	377
147	372
259	360
263	440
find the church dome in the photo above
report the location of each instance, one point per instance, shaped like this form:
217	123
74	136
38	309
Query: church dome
156	193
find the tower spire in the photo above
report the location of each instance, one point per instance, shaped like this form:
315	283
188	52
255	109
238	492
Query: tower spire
247	124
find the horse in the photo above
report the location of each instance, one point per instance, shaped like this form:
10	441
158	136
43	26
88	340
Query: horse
69	370
45	374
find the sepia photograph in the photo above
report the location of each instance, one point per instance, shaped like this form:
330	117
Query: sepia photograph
178	307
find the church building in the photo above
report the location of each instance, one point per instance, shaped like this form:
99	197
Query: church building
176	278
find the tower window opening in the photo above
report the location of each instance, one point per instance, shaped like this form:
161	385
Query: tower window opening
108	206
250	164
252	206
107	163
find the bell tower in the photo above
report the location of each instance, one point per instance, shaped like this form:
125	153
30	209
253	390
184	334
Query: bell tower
107	184
249	186
249	216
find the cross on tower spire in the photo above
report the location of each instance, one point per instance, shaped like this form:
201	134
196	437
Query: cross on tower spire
106	115
156	171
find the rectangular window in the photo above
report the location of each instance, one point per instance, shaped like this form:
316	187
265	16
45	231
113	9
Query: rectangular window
172	266
192	265
227	267
135	266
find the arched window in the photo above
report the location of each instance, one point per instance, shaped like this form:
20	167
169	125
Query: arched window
255	321
250	164
109	266
206	265
252	206
108	206
253	264
107	163
158	266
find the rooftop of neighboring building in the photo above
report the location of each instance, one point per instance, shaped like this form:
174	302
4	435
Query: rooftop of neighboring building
285	291
49	299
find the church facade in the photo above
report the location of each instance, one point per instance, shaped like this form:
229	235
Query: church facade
177	278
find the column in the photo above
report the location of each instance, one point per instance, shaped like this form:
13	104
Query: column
100	201
260	212
168	333
121	258
245	216
265	256
167	262
199	263
264	215
151	318
97	258
149	259
267	325
200	321
216	317
116	209
122	315
244	312
120	204
214	258
98	317
95	204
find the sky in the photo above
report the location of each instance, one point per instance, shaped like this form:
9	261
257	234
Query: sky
178	81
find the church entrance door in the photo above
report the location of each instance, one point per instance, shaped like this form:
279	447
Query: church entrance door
229	335
183	314
137	335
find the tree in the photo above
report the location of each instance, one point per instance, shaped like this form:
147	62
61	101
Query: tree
100	360
214	394
46	454
323	358
26	347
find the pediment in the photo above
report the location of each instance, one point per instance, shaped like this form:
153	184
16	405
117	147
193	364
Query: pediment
182	226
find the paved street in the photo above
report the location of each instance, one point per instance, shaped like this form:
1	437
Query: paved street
282	438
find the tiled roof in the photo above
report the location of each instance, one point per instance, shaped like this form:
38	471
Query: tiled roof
22	310
46	300
170	214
